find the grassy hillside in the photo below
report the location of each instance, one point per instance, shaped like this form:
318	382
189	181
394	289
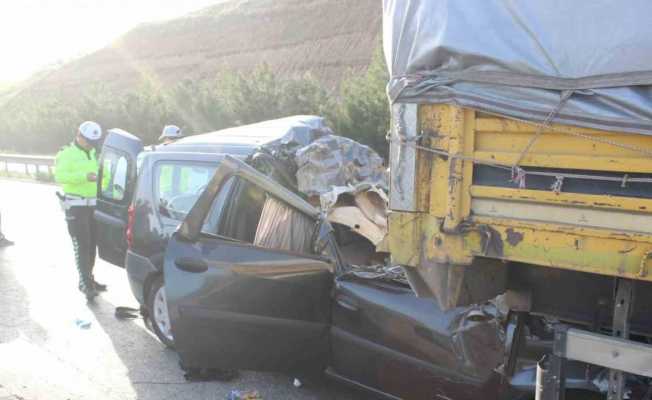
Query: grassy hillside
329	38
238	62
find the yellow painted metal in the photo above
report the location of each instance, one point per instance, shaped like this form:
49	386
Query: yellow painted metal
405	237
502	140
568	229
611	164
615	255
430	120
469	143
445	230
424	167
451	124
416	235
571	199
450	129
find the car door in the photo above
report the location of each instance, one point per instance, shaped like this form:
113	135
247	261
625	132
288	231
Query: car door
115	189
387	338
244	287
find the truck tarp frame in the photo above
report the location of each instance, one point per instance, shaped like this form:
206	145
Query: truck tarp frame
520	58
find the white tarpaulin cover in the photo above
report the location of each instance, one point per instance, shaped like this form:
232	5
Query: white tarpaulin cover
521	58
333	161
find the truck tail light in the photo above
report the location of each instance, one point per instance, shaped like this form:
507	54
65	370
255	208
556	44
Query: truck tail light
129	233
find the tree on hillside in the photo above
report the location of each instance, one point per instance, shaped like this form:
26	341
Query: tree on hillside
362	112
261	95
196	107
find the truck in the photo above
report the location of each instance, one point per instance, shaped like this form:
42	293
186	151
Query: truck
521	174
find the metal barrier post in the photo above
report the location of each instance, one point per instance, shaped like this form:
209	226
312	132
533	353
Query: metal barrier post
26	161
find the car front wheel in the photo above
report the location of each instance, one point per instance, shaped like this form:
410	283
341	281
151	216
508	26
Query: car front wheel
158	312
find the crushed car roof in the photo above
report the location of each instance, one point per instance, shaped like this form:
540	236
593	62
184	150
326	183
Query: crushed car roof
256	134
244	140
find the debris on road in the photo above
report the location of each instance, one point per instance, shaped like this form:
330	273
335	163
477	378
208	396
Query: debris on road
240	395
209	374
297	383
82	323
127	313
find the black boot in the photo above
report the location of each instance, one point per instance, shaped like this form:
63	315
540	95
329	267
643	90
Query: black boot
88	289
90	294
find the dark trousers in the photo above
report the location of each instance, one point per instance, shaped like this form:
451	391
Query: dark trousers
81	227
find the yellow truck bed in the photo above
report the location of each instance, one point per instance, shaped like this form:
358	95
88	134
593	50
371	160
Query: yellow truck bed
467	185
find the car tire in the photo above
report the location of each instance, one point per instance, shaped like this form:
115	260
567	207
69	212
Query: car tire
159	319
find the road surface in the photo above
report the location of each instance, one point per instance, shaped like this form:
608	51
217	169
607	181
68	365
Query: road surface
45	355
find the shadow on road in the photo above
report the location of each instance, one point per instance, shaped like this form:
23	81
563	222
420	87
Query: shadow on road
15	317
155	374
152	369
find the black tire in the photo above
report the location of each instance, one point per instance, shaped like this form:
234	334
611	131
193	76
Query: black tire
157	284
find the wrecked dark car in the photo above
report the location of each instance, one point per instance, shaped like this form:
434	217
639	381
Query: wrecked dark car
280	263
149	192
255	279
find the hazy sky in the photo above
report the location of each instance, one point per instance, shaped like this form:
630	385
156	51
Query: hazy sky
38	33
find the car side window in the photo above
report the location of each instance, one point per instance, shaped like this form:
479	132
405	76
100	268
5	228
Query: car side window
253	216
211	223
115	168
178	186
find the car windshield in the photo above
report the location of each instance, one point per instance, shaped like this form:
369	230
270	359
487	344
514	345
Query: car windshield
178	186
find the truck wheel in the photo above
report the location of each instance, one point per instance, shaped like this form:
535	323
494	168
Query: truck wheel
158	312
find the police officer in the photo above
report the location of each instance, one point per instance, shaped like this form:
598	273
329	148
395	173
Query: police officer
170	134
76	170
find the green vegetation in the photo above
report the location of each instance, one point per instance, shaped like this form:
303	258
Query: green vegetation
32	124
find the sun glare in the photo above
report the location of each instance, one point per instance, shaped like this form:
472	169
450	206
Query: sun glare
35	34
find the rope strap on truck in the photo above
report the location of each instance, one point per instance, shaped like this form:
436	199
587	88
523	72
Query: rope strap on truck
518	173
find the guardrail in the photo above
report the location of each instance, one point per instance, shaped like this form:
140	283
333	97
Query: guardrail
28	165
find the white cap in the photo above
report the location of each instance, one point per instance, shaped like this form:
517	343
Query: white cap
171	132
90	130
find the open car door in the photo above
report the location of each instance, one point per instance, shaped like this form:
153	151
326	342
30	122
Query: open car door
115	189
244	287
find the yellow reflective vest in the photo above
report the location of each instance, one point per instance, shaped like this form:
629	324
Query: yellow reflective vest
72	166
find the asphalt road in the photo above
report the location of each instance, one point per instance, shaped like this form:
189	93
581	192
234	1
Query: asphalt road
44	354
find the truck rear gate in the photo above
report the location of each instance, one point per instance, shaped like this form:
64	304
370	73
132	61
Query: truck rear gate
483	205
